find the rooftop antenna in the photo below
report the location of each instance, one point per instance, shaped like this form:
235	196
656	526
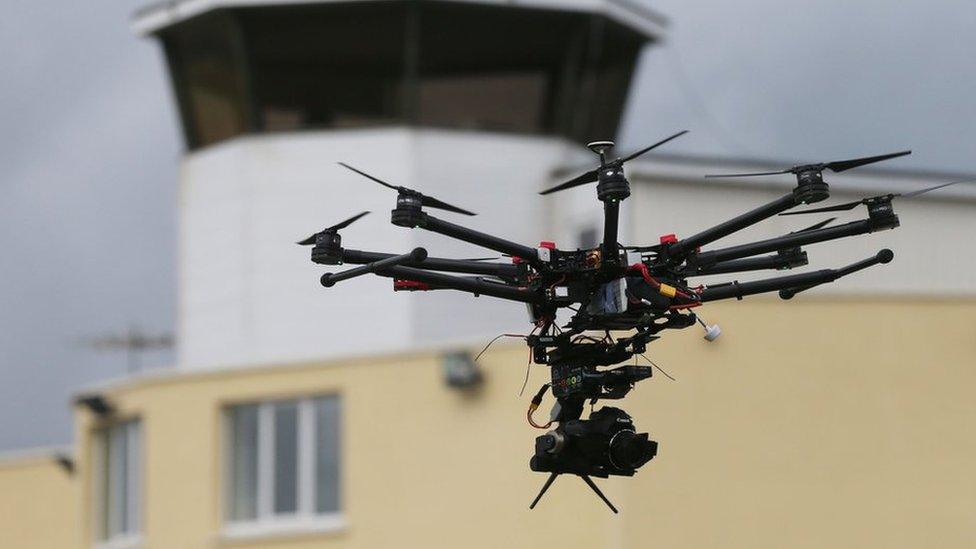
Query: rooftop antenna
134	342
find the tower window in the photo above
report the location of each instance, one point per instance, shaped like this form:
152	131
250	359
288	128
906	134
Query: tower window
486	68
326	67
430	64
207	62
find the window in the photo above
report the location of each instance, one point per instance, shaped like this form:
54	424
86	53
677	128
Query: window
429	64
206	60
282	465
118	483
311	67
474	76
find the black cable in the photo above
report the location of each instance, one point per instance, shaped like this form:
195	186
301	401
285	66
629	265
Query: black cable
528	366
494	340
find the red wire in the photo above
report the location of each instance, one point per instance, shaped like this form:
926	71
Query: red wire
642	269
558	282
528	416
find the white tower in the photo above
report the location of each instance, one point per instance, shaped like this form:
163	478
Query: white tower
475	103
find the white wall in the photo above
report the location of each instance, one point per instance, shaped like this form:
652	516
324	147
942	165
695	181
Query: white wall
249	295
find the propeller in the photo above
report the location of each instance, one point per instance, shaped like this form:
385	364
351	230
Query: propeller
592	176
836	166
496	258
655	248
851	205
816	226
425	200
339	226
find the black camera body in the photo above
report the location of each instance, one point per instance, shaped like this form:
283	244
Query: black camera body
605	444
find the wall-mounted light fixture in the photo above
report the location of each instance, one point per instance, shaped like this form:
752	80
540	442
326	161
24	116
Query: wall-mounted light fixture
460	370
97	404
66	462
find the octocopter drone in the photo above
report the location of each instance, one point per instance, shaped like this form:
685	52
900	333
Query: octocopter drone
640	290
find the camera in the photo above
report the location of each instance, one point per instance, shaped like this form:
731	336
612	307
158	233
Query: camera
605	444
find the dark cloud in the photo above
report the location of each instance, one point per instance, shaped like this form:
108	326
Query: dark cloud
814	79
86	221
89	147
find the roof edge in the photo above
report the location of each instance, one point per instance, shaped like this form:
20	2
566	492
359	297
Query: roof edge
22	456
155	17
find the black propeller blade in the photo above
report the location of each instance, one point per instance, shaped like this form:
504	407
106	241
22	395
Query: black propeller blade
496	258
844	165
592	175
753	174
425	200
431	202
588	177
836	166
820	225
338	226
936	187
837	208
851	205
652	147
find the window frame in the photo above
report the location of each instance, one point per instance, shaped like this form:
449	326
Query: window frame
305	520
102	460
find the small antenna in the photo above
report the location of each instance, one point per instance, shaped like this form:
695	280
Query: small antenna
601	148
712	331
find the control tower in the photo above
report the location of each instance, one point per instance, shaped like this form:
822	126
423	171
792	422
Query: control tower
475	102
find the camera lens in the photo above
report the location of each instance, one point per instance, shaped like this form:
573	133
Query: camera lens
629	450
545	443
551	442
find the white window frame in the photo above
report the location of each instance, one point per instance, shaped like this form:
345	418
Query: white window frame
102	461
305	520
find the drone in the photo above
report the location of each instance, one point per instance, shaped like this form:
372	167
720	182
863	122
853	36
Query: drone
639	291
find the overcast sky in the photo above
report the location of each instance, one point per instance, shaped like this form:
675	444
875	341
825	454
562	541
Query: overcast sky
89	149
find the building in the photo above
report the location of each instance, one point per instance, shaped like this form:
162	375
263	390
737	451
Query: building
273	94
299	417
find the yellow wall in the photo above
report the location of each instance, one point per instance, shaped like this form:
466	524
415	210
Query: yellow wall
38	504
810	424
